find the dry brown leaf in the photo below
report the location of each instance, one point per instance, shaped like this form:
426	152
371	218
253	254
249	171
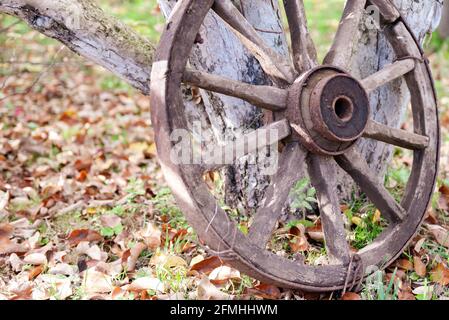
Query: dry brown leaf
316	232
110	220
6	245
35	272
147	283
206	266
440	234
63	269
97	282
151	236
404	264
24	291
440	274
224	273
265	291
420	267
167	260
134	255
6	230
418	245
207	291
405	295
299	242
94	251
196	259
77	236
431	217
62	285
118	293
443	200
351	296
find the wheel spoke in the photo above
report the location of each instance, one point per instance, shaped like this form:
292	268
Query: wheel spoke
322	175
353	163
266	97
397	137
291	164
387	74
304	51
219	156
347	36
272	63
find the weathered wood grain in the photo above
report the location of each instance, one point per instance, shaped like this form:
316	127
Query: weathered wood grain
397	137
267	97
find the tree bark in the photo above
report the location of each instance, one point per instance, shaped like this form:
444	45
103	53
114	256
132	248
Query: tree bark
83	27
388	103
88	31
444	26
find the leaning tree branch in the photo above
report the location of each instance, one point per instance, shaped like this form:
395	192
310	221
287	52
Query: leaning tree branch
88	31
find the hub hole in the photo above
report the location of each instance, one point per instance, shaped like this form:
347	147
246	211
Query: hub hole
343	108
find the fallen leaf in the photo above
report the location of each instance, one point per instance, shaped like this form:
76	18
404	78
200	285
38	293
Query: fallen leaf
22	291
77	236
134	255
95	253
357	221
63	269
440	274
207	291
404	264
299	242
33	241
110	220
167	260
425	292
418	245
351	296
35	272
147	283
4	199
206	266
265	291
420	267
223	274
440	234
376	216
316	232
404	295
12	247
97	282
35	259
15	262
196	259
118	293
431	217
443	200
57	287
6	230
151	236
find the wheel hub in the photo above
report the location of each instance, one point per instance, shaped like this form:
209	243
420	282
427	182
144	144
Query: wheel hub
329	110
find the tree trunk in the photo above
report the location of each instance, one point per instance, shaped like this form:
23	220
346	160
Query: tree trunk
87	30
444	26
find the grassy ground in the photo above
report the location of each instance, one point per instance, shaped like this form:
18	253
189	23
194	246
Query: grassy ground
84	207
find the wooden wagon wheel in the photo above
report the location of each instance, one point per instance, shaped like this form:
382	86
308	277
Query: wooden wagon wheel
320	109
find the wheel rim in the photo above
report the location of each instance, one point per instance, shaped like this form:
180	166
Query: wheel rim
212	224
